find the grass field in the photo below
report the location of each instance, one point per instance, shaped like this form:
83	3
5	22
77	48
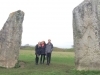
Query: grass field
62	64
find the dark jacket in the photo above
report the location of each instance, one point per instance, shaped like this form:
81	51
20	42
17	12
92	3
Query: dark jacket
43	49
37	49
49	48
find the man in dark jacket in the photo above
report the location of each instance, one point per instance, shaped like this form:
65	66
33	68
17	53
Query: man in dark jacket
49	49
37	52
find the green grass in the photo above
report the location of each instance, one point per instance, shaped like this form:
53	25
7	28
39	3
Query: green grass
62	64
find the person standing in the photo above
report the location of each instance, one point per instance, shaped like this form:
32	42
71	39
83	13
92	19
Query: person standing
37	52
43	46
49	49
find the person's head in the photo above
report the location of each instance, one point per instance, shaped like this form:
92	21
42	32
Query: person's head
43	42
39	43
49	41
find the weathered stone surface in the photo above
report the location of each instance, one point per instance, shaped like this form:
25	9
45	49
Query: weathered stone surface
10	39
86	29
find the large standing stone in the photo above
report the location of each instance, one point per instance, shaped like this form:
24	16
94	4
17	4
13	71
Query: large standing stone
10	39
86	28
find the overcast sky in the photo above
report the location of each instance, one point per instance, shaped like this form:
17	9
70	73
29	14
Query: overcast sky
44	19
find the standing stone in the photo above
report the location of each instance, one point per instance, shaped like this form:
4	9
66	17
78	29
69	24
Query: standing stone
86	29
10	39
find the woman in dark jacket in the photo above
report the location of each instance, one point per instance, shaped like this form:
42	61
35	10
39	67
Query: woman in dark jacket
43	47
37	52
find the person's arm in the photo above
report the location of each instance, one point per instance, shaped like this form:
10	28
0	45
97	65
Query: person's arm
45	49
35	49
52	47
